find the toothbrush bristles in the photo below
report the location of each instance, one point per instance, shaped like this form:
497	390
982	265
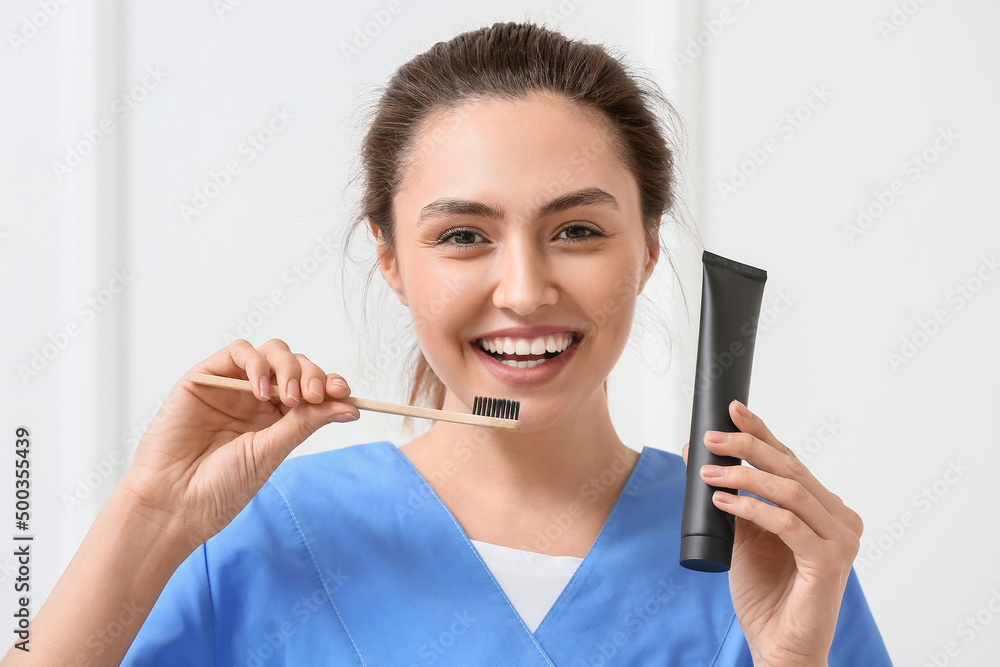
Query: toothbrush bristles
500	408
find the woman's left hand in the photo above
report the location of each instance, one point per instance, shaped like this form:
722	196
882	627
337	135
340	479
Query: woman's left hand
790	561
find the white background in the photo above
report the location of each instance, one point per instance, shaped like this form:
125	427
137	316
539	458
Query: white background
838	97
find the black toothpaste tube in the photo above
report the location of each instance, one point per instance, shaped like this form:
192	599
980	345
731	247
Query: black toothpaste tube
730	307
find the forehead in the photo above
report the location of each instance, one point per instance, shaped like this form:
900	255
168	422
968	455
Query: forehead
516	147
540	120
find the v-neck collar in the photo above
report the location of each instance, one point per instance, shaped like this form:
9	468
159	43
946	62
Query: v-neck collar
415	588
593	553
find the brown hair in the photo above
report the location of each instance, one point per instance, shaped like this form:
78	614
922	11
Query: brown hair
510	61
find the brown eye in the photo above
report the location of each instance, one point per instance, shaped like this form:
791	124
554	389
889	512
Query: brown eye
587	228
457	233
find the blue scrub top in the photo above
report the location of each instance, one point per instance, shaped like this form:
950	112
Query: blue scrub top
349	557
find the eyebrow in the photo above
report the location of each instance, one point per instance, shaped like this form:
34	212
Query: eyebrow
442	208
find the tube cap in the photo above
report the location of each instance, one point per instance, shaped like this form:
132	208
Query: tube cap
705	553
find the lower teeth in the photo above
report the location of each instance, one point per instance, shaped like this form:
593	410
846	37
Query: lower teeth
522	364
530	363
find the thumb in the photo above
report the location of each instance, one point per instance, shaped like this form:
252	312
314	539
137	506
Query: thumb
273	444
684	451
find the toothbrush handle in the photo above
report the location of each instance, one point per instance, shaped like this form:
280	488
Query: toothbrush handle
372	405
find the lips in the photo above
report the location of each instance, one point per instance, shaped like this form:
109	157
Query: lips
540	371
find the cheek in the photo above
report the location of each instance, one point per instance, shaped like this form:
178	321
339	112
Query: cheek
440	302
611	300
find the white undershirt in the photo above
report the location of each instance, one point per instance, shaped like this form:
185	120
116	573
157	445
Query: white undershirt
531	580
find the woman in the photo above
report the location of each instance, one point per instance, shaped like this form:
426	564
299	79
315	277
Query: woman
515	182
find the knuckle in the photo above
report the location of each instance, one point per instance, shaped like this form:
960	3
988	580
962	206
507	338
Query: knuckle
283	371
773	487
735	474
308	365
844	550
787	521
795	466
857	524
241	344
794	491
742	444
286	365
275	343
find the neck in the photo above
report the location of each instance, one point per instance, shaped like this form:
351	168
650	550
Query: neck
579	458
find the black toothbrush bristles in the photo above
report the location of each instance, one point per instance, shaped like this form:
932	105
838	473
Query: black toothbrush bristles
500	408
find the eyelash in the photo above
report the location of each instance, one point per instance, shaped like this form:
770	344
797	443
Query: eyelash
451	233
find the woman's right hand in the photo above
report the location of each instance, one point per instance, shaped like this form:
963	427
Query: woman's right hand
208	450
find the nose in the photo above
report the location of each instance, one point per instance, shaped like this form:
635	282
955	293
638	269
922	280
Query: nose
525	281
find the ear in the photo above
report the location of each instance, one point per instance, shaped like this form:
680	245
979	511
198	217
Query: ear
652	256
387	265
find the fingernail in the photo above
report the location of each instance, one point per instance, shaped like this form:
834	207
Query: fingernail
316	387
712	471
742	409
345	417
716	436
292	389
265	387
723	498
341	383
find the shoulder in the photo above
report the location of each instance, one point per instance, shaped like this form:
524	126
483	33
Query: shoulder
662	457
302	491
657	470
349	461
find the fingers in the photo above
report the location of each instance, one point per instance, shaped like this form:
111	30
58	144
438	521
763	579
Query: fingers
311	380
784	474
236	358
786	524
298	379
273	444
748	422
786	493
303	386
245	357
761	449
286	369
337	386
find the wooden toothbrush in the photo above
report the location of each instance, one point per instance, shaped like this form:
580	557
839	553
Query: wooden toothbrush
491	412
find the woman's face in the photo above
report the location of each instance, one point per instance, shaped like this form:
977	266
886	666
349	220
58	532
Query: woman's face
518	224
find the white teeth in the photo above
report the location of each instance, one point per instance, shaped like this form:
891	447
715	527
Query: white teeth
531	363
524	346
508	346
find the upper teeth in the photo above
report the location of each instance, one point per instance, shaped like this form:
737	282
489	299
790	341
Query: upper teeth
540	345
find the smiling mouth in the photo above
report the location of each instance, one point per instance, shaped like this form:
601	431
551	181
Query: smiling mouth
527	360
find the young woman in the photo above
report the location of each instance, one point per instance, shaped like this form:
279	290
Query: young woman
514	181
